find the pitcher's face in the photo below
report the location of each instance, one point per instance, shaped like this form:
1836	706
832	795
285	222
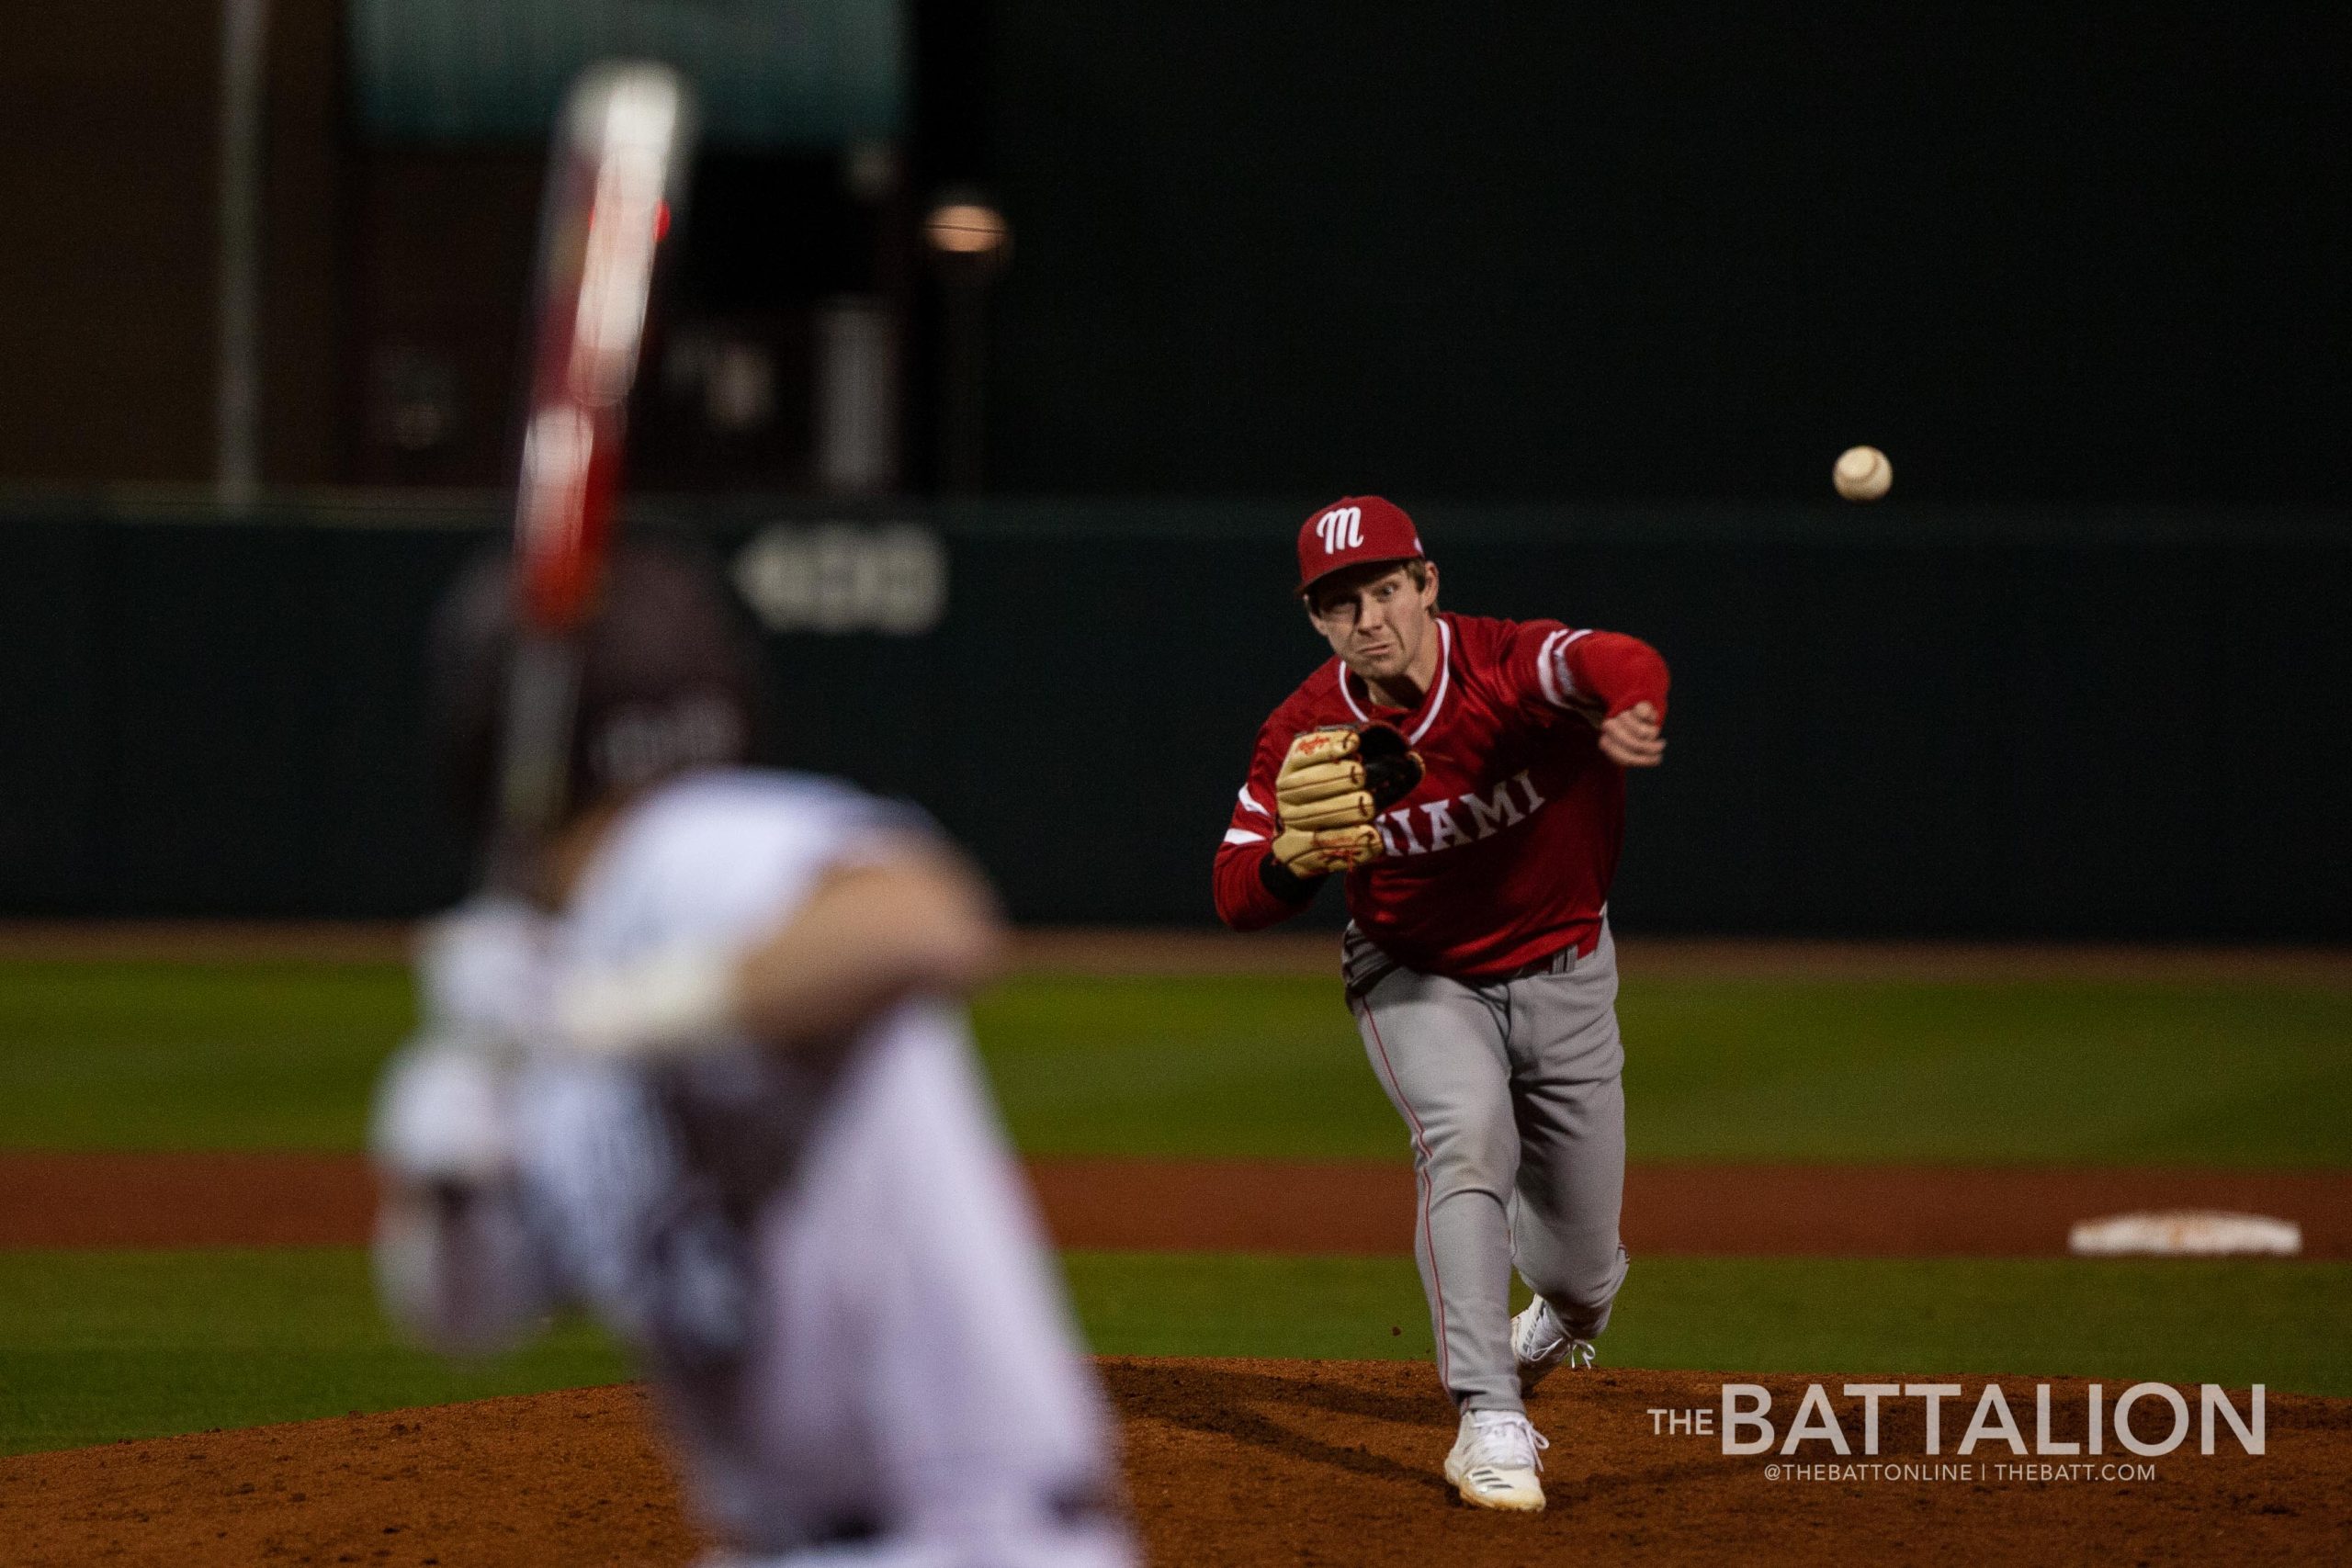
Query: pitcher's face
1376	617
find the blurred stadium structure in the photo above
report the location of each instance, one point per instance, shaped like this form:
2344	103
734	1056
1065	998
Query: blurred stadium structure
2048	723
1599	292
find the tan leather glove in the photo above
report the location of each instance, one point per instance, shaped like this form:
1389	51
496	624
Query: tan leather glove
1321	781
1303	853
1329	789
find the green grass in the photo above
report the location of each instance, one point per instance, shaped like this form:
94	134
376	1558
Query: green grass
2188	1321
1718	1070
1241	1065
97	1346
256	1055
2109	1074
194	1055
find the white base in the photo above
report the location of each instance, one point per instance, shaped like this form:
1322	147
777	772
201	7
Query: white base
2186	1232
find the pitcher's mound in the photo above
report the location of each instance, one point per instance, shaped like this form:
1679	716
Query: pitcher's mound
1246	1462
1338	1462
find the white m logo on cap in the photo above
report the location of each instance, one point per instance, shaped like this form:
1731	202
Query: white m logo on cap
1341	528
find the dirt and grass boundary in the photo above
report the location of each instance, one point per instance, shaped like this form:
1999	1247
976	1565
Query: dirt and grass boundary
1228	1462
1194	950
160	1200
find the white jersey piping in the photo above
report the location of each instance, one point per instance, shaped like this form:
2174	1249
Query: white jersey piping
1552	667
1436	698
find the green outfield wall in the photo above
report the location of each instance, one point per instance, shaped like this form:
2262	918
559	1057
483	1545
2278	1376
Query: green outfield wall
1891	722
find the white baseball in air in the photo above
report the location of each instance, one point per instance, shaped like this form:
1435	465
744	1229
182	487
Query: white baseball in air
1862	473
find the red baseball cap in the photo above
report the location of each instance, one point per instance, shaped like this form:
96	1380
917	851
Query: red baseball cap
1351	531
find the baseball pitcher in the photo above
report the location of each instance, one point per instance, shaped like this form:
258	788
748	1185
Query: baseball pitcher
710	1077
1466	777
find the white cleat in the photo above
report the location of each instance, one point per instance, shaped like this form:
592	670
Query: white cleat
1494	1461
1538	1344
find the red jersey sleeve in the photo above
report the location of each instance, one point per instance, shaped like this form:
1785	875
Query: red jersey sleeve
1555	670
1247	899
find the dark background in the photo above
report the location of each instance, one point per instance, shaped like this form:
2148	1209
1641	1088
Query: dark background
1607	251
1599	292
1640	250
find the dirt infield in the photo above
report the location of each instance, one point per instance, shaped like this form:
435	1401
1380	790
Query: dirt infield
281	1199
559	1478
1198	951
1782	1210
1234	1462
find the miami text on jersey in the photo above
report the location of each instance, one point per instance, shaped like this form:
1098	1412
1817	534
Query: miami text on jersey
1487	816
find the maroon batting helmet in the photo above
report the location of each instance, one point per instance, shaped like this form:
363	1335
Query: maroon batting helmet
669	677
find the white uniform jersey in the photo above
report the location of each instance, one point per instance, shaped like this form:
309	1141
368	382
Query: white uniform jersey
833	1272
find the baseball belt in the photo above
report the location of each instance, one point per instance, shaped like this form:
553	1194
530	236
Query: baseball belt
1363	966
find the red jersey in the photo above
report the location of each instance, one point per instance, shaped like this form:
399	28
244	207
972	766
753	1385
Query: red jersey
1503	855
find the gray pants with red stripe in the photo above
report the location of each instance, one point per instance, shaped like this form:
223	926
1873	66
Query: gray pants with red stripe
1514	1093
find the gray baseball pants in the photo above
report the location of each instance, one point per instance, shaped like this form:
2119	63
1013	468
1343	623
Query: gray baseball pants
1513	1094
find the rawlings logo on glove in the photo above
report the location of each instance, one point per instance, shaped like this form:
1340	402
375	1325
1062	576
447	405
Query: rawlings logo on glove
1331	785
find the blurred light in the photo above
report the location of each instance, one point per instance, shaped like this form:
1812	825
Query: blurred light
966	228
740	394
870	169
